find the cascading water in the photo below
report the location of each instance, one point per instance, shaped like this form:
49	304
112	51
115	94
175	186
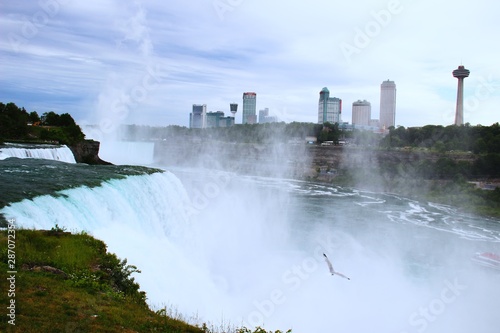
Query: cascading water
248	251
148	202
62	153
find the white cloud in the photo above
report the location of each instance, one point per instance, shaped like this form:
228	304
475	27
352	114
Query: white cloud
87	53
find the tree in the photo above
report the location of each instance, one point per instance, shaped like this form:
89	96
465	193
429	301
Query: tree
440	146
33	117
66	120
13	121
50	119
480	146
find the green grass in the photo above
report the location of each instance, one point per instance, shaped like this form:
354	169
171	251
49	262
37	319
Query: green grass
93	293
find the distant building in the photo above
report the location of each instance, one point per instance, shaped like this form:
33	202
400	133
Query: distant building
262	114
346	127
270	119
226	121
249	108
387	104
233	107
213	119
252	119
361	113
374	123
329	108
198	118
217	119
264	117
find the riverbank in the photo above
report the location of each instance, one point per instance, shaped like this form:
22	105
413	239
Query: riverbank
418	174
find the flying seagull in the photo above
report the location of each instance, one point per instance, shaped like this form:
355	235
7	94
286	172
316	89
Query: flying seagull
330	267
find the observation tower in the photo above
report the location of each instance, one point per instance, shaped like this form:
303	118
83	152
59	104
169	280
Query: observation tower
234	108
460	73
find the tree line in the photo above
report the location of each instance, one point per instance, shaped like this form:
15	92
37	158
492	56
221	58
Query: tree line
477	139
482	143
18	124
240	133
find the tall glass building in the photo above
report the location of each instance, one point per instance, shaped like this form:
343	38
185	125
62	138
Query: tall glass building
198	118
249	108
329	108
387	104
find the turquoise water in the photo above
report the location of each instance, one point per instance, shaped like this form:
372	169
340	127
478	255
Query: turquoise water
28	178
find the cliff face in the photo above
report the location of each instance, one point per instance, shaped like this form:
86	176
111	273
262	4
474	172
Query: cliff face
322	163
87	152
367	165
270	160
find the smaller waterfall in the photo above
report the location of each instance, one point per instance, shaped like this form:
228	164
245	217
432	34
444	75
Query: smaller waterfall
57	153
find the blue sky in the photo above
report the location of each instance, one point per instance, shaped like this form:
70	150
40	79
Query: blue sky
146	62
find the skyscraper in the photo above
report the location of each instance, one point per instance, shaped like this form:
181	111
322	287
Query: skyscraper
460	73
198	118
263	114
361	113
387	104
249	108
329	108
214	119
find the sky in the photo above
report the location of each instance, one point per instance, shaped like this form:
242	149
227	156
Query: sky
147	62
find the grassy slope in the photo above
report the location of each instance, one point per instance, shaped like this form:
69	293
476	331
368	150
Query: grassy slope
89	298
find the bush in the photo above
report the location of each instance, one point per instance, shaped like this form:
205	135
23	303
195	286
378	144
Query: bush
118	273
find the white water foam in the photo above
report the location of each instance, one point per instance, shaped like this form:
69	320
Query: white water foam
149	202
62	153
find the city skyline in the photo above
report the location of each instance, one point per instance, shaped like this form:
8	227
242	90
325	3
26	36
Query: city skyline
111	62
329	109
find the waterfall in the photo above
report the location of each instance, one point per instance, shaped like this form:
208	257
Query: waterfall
62	153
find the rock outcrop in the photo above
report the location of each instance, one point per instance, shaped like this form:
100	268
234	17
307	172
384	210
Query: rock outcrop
87	152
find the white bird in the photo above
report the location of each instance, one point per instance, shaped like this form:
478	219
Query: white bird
330	267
